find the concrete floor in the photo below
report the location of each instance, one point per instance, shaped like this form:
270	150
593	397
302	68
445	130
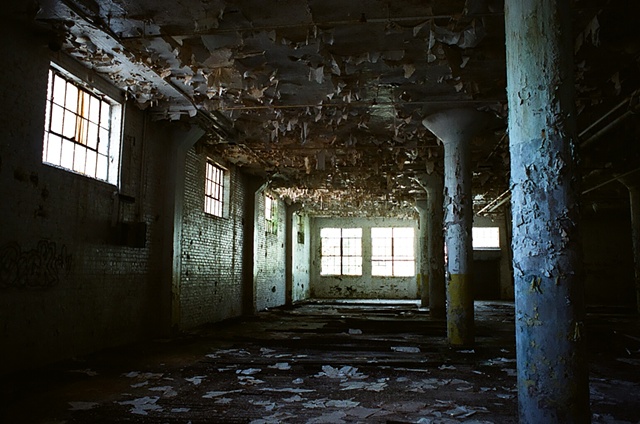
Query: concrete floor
320	362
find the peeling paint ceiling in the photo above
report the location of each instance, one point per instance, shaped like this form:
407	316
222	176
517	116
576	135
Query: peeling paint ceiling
325	98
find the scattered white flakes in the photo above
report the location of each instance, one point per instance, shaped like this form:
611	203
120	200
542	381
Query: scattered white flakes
316	403
82	406
268	405
167	390
277	418
464	388
402	379
298	381
249	371
210	395
295	398
361	412
335	417
346	371
142	375
180	410
266	351
504	396
458	381
467	351
346	403
412	370
228	368
283	366
141	384
355	331
406	349
142	406
196	380
248	380
446	367
223	401
363	385
287	390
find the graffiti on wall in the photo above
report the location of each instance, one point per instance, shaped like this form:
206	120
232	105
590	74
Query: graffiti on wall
38	268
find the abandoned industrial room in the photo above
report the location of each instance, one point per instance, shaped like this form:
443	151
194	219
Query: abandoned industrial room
320	211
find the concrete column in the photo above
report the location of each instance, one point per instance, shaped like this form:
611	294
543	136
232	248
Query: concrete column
253	190
422	278
181	142
289	243
456	128
633	185
550	343
433	274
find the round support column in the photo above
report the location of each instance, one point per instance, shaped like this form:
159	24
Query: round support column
456	128
550	342
423	253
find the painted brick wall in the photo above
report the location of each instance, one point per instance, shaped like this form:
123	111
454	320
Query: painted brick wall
66	286
211	271
269	267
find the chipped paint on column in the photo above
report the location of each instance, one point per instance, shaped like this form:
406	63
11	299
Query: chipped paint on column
634	199
422	279
458	215
550	342
435	249
456	128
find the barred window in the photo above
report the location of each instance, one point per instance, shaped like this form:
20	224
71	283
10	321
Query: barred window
270	215
81	128
341	251
392	252
214	189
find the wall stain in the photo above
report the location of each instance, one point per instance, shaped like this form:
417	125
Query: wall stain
39	268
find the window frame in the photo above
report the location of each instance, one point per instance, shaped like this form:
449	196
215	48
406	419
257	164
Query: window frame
476	238
211	199
270	214
101	142
396	246
348	256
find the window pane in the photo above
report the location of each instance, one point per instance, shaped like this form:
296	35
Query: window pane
486	237
330	232
94	110
352	232
330	266
79	158
404	268
381	268
103	168
92	159
71	99
59	86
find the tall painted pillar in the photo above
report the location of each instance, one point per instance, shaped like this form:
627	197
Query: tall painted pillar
434	244
423	253
633	185
456	128
550	342
289	243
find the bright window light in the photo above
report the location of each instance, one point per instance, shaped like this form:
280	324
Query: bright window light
341	251
486	237
81	128
392	252
214	189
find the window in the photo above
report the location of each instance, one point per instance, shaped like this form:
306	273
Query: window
214	189
341	251
392	252
486	237
81	128
270	215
